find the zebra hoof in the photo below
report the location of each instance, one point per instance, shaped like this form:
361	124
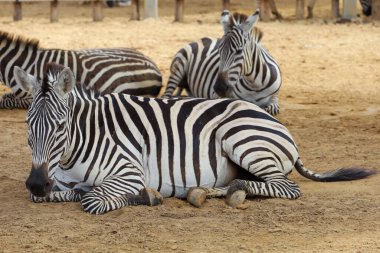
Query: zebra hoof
152	196
36	199
196	196
236	198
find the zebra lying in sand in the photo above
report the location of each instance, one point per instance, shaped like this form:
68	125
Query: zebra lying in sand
105	70
115	150
235	66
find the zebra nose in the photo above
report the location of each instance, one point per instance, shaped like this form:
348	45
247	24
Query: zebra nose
38	182
221	86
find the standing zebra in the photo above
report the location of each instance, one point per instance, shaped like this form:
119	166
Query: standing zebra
106	70
114	150
235	66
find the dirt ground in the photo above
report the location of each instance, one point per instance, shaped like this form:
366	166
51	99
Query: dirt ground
330	101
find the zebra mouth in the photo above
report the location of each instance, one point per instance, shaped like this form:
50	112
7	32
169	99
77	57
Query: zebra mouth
38	183
39	193
221	86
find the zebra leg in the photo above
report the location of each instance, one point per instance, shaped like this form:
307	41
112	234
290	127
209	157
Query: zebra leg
197	195
178	70
278	187
98	202
268	172
273	108
74	195
109	196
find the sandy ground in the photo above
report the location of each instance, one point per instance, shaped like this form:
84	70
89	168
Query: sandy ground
330	102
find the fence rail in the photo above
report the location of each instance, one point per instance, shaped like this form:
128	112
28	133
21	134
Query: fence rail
265	7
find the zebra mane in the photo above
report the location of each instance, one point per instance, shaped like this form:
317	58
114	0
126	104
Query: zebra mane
18	39
257	34
238	17
241	18
53	69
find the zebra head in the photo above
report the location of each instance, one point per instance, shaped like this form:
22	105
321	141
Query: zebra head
48	122
233	49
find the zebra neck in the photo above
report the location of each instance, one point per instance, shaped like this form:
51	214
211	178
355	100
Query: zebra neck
257	67
69	148
15	53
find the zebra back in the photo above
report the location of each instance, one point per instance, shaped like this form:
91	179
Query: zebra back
122	70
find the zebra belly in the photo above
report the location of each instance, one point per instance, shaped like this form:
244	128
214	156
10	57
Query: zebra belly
177	187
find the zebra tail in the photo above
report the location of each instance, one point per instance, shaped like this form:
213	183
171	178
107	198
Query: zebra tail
343	174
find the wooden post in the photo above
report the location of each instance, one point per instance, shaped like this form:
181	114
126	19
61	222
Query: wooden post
151	9
349	9
334	8
226	4
300	9
179	10
97	10
376	9
54	11
135	10
264	10
17	14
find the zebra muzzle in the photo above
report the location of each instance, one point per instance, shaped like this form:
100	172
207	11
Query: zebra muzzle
38	182
221	87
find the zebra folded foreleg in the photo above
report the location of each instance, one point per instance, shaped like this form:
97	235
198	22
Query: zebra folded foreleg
273	108
276	187
74	195
115	193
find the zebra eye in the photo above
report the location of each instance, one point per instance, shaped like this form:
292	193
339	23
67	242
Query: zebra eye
239	51
61	127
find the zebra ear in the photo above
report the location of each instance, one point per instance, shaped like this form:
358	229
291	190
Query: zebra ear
251	21
25	81
225	20
66	82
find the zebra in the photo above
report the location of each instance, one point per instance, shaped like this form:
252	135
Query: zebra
106	70
235	66
114	150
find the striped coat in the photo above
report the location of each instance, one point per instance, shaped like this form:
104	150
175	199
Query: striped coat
122	70
115	150
235	66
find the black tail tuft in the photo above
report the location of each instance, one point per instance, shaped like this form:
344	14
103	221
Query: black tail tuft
344	174
347	174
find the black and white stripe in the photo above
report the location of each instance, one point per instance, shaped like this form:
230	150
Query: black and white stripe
235	66
105	70
109	150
